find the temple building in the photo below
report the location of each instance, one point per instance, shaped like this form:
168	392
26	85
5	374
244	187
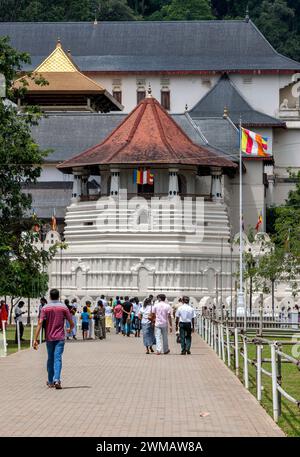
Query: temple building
205	77
158	232
64	87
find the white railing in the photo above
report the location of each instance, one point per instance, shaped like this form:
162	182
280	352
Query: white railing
230	342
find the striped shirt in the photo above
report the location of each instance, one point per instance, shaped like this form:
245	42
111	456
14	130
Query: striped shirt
55	313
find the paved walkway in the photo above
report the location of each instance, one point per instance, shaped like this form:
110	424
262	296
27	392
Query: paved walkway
111	388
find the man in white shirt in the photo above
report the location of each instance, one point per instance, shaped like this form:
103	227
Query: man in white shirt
185	317
18	318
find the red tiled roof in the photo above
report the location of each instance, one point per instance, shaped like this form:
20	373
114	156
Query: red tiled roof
148	135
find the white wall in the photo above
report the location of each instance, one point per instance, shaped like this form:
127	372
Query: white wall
253	195
51	173
262	93
286	149
183	89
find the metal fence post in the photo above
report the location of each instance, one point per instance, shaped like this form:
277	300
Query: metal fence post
258	372
246	374
31	332
4	338
261	313
219	340
274	383
228	345
236	346
279	382
222	342
18	335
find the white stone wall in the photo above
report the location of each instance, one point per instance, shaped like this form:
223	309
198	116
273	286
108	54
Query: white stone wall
184	89
253	196
151	260
261	91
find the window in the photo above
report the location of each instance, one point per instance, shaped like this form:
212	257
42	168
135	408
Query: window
165	99
117	94
247	79
141	94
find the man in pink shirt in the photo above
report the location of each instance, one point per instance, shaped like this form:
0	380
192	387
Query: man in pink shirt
118	313
162	311
54	314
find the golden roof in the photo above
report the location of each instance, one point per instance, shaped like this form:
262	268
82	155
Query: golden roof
63	77
60	82
57	61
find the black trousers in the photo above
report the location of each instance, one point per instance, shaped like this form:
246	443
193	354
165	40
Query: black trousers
21	326
185	329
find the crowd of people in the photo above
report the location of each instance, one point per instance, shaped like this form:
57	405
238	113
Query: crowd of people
128	316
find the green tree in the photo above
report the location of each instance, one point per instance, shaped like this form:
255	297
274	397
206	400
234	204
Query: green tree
276	21
184	10
270	268
20	160
114	10
33	12
287	221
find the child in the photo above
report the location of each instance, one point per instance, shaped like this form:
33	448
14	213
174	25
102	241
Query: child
85	317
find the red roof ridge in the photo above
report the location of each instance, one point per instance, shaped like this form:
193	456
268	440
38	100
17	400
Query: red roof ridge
147	135
132	132
160	127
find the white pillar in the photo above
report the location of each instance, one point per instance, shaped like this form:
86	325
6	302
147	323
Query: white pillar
80	183
76	193
216	183
173	182
115	182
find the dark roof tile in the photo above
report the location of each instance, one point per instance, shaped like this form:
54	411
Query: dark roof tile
152	46
225	94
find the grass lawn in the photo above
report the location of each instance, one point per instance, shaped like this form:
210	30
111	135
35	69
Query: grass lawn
10	337
289	420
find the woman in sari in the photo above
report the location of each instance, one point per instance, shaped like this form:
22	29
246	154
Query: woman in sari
147	325
99	318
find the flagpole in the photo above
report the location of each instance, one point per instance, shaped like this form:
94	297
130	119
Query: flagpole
241	301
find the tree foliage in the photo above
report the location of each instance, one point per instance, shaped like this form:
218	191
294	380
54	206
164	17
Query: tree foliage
22	265
185	10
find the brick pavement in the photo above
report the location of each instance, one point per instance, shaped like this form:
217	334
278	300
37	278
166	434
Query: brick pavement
111	388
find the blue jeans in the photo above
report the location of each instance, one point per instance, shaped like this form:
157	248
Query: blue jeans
119	324
55	351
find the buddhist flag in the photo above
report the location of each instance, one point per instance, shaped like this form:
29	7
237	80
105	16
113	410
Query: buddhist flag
254	145
150	178
259	222
143	177
138	176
